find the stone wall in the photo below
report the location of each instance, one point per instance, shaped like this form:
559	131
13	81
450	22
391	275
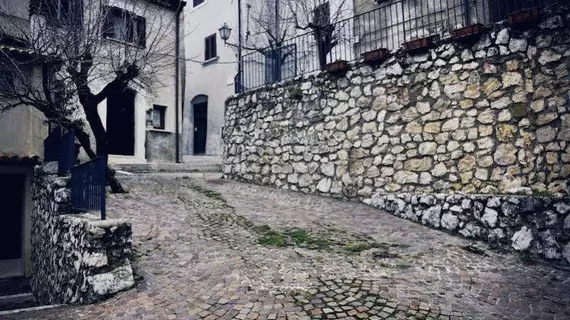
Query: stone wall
540	225
489	117
76	258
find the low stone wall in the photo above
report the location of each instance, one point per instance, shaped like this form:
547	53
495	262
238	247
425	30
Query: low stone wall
540	225
76	258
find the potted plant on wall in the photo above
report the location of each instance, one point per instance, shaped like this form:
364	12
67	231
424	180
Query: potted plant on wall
376	56
337	67
468	33
525	18
420	44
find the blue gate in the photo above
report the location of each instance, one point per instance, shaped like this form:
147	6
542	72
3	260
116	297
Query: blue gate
60	147
88	181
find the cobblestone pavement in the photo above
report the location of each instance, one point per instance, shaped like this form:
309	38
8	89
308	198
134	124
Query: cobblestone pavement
226	250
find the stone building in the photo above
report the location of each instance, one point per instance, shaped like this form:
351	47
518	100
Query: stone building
21	145
142	124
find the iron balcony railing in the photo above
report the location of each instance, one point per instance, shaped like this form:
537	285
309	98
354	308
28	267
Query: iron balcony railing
388	26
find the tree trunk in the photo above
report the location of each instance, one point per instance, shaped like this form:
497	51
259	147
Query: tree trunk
100	135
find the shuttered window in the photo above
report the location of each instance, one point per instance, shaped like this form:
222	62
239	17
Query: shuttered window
210	44
125	26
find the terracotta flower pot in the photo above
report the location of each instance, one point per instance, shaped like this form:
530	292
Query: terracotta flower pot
376	56
420	44
524	18
469	32
337	67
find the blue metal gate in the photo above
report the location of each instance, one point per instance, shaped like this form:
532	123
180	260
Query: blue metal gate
88	181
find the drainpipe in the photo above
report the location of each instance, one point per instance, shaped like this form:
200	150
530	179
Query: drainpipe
240	40
177	75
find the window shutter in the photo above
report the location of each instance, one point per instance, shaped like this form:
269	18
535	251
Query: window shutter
210	47
206	48
141	31
108	25
214	49
130	25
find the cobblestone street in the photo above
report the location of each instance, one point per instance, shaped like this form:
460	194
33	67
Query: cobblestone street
227	250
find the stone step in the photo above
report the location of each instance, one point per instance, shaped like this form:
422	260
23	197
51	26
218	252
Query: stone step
17	301
16	293
167	167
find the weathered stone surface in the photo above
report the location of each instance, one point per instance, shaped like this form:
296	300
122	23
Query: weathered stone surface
427	148
491	85
546	134
432	216
449	221
77	258
403	177
450	125
324	185
466	164
548	56
490	217
505	154
503	37
512	79
418	164
522	239
328	169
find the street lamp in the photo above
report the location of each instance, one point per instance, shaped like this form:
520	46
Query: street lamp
225	32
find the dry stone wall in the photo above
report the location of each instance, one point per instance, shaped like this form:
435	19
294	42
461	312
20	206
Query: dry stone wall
76	258
489	117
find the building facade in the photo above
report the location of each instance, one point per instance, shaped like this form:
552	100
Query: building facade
273	49
141	121
211	67
22	132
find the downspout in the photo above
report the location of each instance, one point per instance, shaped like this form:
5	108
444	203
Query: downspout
177	81
240	43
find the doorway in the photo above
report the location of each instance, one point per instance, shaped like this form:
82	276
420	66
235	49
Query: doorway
200	106
121	123
12	195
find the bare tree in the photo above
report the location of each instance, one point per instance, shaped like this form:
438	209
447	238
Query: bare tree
322	18
75	54
272	26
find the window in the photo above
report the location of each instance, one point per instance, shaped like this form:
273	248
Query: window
210	48
125	26
322	15
158	115
198	2
62	12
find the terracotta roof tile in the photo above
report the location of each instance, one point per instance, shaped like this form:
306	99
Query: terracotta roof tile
18	158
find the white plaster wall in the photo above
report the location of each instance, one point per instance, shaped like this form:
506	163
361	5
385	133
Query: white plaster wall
214	79
161	88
